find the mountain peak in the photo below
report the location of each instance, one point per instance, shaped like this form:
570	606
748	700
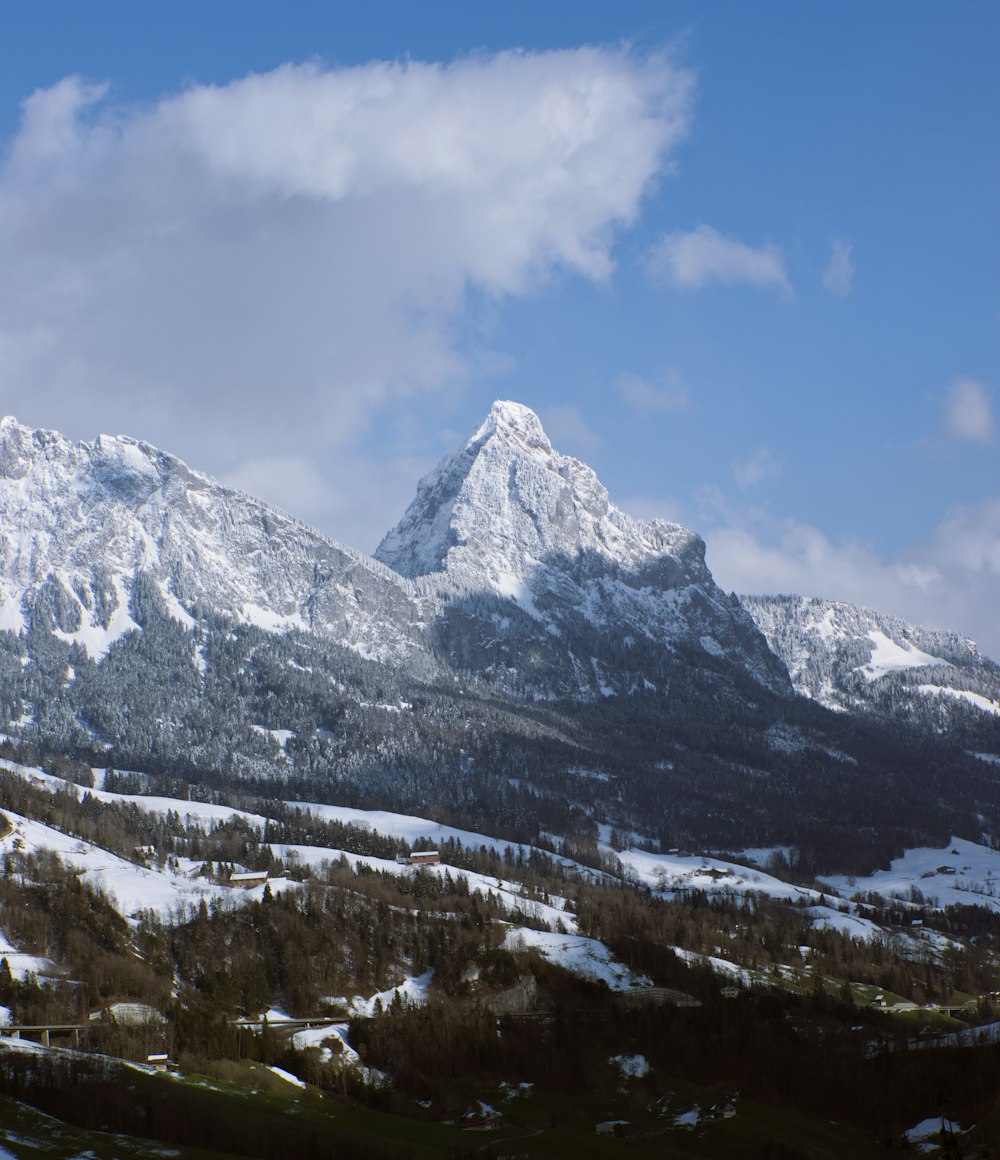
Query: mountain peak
515	423
508	526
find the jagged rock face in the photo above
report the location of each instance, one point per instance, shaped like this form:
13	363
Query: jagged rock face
79	522
539	572
847	657
511	562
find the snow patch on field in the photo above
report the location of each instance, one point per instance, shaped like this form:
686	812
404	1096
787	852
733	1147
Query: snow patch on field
286	1076
853	925
585	957
976	699
890	657
927	1134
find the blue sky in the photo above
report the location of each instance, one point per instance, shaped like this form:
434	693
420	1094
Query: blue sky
741	258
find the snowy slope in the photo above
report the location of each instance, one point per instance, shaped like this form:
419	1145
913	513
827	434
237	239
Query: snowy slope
963	872
847	657
510	561
537	565
79	522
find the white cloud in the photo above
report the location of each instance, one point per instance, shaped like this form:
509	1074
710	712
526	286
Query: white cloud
755	469
838	277
697	258
670	396
969	412
246	273
948	581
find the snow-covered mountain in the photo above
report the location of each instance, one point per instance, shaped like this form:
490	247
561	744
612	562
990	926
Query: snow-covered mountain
848	658
79	523
536	569
521	648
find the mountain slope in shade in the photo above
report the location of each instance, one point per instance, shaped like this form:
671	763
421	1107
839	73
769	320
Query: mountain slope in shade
539	573
847	657
79	523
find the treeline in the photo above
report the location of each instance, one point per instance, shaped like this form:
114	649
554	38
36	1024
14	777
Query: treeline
196	709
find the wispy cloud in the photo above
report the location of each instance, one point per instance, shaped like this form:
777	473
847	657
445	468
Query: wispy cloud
697	258
968	411
838	277
755	469
668	395
949	580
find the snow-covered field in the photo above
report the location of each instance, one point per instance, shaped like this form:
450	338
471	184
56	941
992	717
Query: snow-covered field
975	699
671	872
583	956
406	826
961	872
889	657
131	888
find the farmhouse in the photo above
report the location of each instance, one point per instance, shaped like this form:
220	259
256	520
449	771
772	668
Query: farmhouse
423	857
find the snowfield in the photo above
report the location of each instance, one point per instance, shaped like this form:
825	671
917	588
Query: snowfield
674	872
131	889
585	957
961	872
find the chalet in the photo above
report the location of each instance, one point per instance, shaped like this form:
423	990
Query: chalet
161	1063
731	992
424	857
246	881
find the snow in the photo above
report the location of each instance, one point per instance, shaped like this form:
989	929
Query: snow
318	1037
631	1066
194	813
411	992
976	699
131	889
975	881
270	620
720	966
94	637
853	925
80	512
688	1119
506	893
585	957
22	964
406	826
510	516
11	616
286	1076
674	872
890	657
927	1133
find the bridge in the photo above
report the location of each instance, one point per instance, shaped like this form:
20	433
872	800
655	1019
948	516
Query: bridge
44	1031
